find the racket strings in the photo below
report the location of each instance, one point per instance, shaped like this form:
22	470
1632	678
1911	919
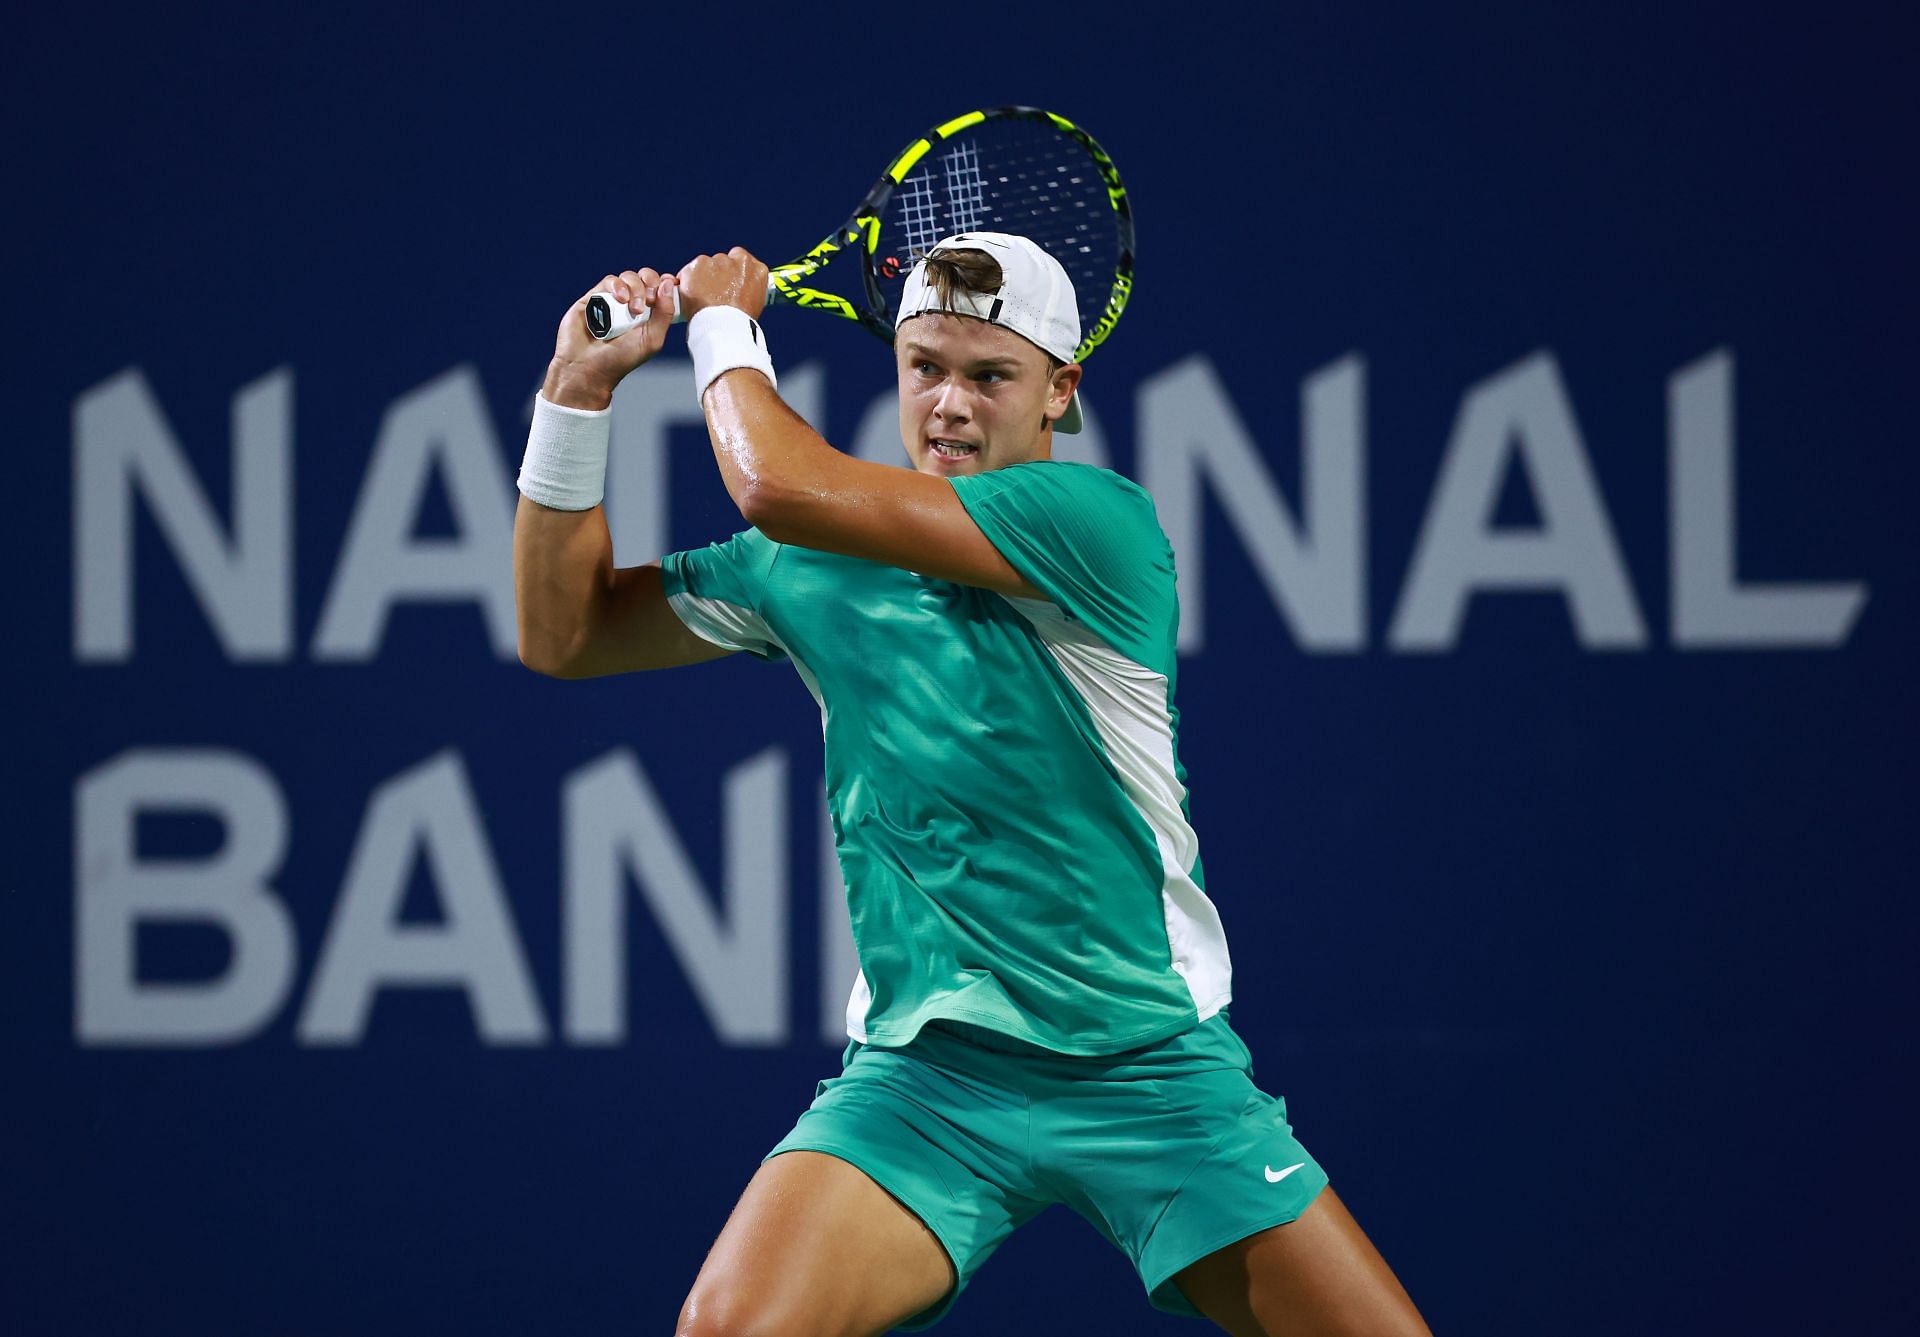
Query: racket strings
1012	176
966	188
919	214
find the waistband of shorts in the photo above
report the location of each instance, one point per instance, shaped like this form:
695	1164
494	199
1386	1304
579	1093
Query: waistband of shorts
1210	1034
982	1037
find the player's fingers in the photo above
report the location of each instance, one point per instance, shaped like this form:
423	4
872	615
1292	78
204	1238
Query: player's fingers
639	288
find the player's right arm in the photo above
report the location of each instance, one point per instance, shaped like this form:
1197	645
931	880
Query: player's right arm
582	617
579	615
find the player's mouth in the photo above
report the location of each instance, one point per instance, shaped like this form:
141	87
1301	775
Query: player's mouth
952	450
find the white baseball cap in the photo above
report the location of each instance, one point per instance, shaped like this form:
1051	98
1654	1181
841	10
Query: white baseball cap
1036	299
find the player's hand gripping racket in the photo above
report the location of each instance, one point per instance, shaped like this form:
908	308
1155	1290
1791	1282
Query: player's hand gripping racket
1004	169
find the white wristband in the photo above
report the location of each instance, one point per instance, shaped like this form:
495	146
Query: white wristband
566	461
721	339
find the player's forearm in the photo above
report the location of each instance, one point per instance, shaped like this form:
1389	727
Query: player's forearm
562	579
775	467
562	550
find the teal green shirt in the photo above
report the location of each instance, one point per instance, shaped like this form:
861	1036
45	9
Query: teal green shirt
1003	779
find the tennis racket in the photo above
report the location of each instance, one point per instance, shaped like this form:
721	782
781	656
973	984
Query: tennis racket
1002	169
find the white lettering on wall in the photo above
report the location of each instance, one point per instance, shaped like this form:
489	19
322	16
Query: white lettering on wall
116	891
734	956
122	444
1522	416
444	426
1192	444
1711	610
427	812
1315	571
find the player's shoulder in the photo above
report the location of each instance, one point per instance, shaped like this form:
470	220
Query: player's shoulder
747	556
790	574
1069	480
1065	473
742	543
749	547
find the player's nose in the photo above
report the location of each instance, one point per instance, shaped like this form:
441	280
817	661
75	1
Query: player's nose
952	403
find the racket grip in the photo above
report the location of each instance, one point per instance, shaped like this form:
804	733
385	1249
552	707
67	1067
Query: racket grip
608	318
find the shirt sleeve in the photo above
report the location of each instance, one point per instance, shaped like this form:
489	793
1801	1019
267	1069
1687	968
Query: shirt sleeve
718	591
1090	541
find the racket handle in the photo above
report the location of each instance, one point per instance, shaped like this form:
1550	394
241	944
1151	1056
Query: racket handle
608	318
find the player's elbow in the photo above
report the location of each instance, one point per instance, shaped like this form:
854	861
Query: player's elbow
767	506
535	658
545	658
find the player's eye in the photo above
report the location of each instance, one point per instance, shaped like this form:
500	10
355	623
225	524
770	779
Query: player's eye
925	368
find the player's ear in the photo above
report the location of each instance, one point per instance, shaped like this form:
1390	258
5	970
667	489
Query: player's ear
1060	390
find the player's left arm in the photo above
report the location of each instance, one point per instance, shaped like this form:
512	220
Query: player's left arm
795	488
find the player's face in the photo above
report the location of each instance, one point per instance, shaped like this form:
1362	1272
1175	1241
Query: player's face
975	396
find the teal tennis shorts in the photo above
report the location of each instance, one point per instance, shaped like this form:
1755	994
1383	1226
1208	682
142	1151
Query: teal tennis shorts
1169	1150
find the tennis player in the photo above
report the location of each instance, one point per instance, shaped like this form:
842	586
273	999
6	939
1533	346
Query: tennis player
1041	1012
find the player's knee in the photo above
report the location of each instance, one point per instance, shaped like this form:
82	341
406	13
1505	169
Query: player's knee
1359	1317
726	1312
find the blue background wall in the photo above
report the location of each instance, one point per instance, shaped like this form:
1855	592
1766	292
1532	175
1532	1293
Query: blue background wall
1586	972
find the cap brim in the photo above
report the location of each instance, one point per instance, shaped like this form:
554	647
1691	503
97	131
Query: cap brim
1071	421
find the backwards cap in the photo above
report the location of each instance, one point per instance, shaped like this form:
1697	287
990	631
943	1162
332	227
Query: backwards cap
1036	299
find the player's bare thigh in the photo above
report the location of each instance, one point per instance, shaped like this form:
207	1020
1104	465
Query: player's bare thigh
815	1247
1318	1276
